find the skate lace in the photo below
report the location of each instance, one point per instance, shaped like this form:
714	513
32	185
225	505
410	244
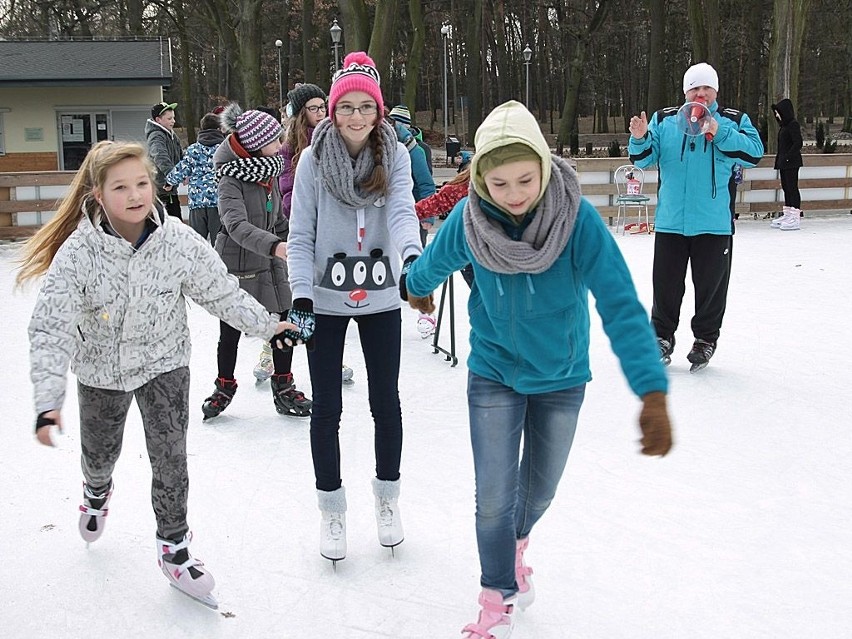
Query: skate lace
335	527
385	512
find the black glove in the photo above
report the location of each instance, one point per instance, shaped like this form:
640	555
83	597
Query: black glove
302	315
406	266
42	421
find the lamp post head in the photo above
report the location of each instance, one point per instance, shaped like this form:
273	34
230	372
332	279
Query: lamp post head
445	29
527	54
335	31
279	44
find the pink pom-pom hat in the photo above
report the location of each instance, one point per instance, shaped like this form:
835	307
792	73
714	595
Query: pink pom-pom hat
359	73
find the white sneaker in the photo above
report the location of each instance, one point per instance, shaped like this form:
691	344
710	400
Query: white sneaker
426	325
388	519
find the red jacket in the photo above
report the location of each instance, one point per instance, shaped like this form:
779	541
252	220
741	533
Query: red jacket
442	202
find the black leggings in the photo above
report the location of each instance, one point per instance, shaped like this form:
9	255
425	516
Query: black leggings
380	336
790	185
229	339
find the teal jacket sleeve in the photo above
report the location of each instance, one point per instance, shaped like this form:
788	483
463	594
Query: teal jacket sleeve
446	253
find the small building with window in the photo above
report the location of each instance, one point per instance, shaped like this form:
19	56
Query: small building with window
59	97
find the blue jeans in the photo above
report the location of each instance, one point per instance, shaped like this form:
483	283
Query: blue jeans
512	497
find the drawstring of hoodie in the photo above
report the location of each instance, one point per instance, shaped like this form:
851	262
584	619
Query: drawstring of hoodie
712	159
361	233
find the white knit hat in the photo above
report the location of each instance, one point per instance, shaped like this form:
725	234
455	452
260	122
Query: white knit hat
700	75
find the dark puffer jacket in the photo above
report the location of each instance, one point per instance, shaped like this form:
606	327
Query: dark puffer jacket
247	239
789	154
165	152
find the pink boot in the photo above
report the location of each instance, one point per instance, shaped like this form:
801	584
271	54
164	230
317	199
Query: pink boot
185	572
495	619
526	590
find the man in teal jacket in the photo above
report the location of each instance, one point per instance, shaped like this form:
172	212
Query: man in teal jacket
693	220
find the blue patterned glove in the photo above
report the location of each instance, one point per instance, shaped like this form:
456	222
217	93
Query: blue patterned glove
302	315
406	266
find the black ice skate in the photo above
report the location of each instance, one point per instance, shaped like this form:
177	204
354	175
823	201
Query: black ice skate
221	397
700	354
288	400
666	346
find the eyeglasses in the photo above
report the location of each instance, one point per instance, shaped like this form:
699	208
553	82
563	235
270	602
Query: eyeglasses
316	108
365	109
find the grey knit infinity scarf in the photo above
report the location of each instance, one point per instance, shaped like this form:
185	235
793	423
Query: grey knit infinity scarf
339	175
260	169
542	241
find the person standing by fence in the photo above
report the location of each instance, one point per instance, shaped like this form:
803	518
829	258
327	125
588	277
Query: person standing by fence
788	161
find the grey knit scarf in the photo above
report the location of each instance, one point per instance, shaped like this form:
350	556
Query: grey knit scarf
542	241
340	176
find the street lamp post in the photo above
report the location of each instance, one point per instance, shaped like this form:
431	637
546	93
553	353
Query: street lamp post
445	34
527	58
278	45
335	39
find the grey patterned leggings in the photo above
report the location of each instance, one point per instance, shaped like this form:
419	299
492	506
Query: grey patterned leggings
164	405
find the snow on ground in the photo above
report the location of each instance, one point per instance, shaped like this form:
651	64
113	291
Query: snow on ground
742	531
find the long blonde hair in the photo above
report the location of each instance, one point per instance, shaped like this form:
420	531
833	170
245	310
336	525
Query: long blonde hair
41	248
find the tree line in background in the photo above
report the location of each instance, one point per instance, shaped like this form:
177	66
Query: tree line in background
608	59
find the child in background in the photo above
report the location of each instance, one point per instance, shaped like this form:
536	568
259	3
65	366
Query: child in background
537	248
248	166
352	224
197	167
113	305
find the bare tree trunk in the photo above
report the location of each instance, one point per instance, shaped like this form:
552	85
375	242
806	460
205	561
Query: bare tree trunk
474	70
784	55
575	78
656	57
382	40
704	24
309	66
415	55
355	24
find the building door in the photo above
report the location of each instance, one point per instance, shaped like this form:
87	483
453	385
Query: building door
78	132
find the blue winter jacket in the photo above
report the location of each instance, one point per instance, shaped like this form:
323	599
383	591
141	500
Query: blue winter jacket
197	165
531	331
424	184
695	189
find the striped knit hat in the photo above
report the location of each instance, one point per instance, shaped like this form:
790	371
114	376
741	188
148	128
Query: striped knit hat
254	129
401	114
359	73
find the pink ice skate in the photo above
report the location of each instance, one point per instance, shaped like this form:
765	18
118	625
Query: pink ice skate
184	572
526	590
93	511
495	619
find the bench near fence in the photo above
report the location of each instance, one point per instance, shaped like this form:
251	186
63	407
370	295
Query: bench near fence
29	199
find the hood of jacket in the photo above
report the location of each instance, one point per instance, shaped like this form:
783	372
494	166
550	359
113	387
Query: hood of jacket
785	109
509	123
153	127
210	137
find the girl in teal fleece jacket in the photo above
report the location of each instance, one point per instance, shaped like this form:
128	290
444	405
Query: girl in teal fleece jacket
537	248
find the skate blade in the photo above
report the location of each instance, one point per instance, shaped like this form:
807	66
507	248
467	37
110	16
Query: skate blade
697	367
208	600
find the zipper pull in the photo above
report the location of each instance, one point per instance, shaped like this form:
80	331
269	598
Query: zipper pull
269	202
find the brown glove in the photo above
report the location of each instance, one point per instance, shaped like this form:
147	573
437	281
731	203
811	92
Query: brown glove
654	422
423	304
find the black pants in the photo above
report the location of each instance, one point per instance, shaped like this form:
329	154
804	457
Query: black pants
709	257
229	340
790	185
380	336
172	204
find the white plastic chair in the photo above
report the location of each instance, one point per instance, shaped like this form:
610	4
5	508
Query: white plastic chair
630	182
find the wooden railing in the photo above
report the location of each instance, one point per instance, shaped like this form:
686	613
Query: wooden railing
28	199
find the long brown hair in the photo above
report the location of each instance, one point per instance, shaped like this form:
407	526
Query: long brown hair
41	248
296	137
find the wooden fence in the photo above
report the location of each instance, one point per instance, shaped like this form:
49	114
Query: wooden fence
29	199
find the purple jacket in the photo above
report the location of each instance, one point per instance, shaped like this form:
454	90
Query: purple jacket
285	180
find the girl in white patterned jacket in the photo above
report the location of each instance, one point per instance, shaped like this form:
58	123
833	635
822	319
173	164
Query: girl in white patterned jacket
112	304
